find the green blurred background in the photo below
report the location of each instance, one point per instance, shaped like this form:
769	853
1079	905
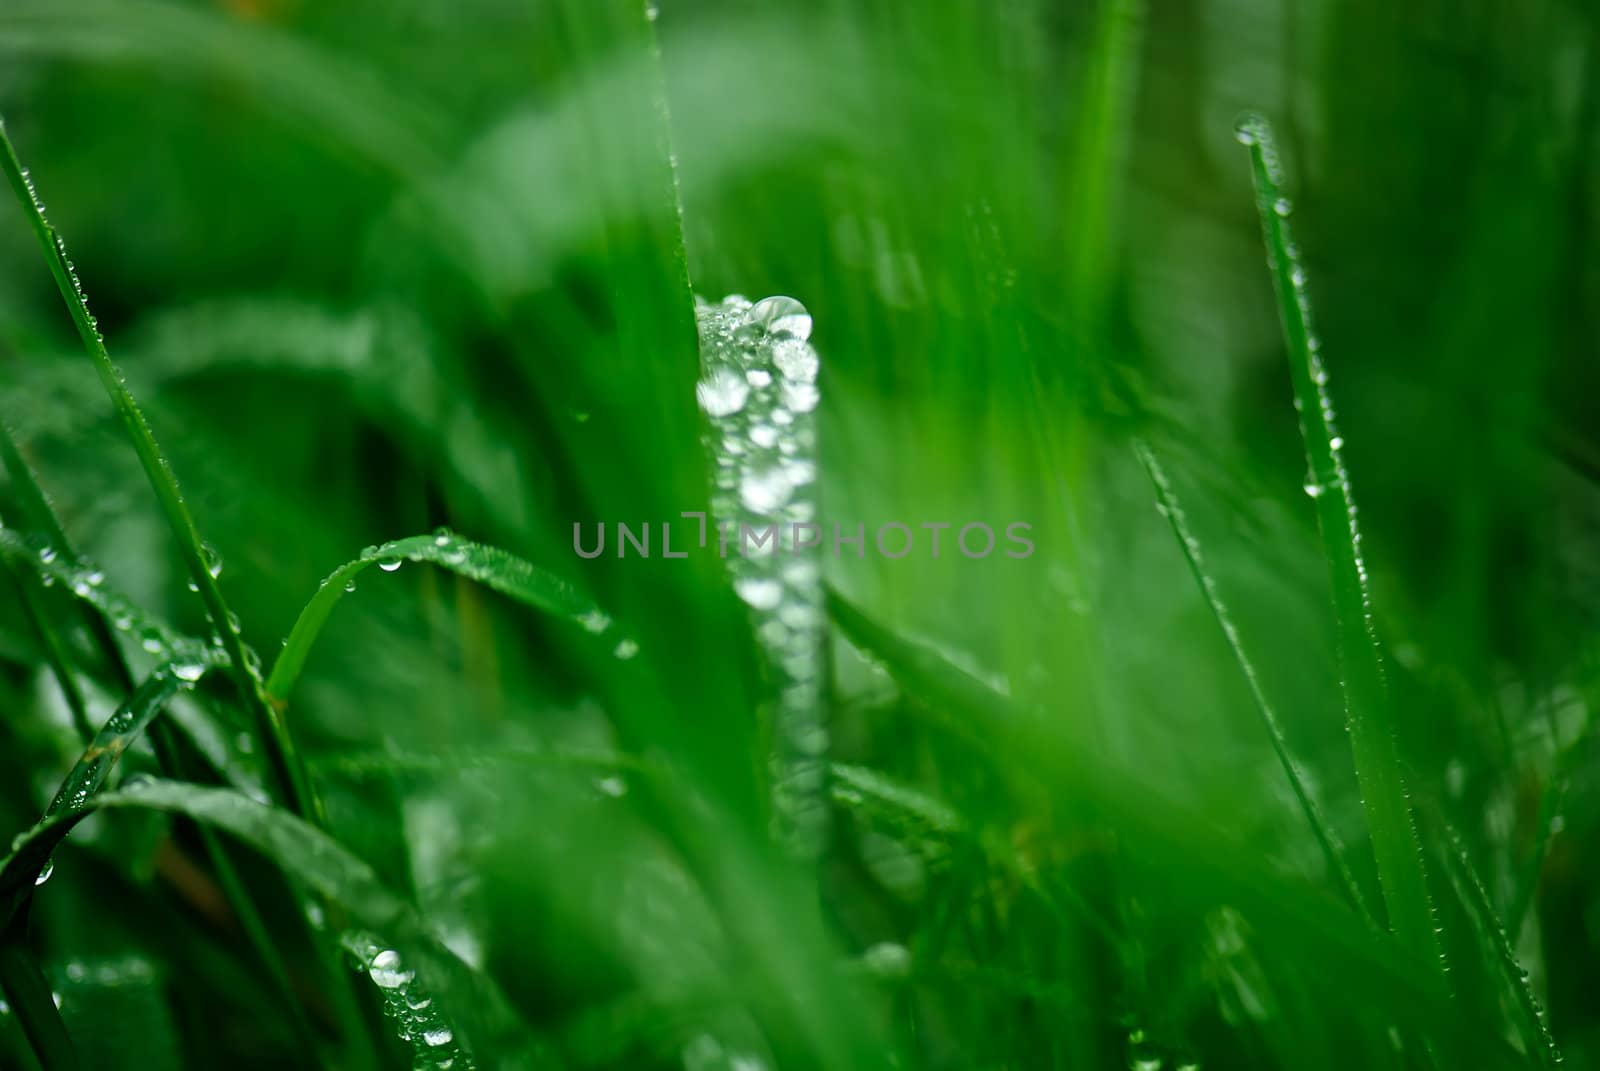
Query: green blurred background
373	268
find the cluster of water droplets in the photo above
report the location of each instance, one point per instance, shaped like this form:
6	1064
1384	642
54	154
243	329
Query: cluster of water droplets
758	389
416	1017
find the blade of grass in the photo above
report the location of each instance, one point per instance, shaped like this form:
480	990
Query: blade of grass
491	566
1370	717
309	857
101	606
1327	839
284	761
55	651
1537	1041
1223	871
29	993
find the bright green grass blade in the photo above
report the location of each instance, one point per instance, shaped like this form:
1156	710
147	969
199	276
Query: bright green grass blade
280	747
1537	1041
491	566
1395	842
319	863
1327	839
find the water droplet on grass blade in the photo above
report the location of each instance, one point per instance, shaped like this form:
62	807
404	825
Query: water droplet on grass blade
387	971
722	393
44	874
780	315
760	593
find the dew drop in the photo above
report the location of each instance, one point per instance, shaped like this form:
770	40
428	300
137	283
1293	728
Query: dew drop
780	315
722	393
387	971
44	875
760	593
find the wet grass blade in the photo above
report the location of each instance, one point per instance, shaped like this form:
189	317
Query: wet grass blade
280	747
1537	1041
88	775
498	569
1327	839
310	858
55	651
1370	717
29	992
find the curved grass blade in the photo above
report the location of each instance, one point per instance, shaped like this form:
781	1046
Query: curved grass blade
317	862
280	748
88	774
88	585
1370	717
1327	839
40	515
1537	1041
498	569
56	561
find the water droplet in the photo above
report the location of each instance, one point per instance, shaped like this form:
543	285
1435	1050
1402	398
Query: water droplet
188	671
888	960
722	393
760	593
212	560
389	564
795	360
1282	206
780	315
800	397
44	875
1314	489
439	1035
349	585
626	649
387	971
595	621
767	490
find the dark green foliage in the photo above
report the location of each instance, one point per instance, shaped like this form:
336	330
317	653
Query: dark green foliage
1238	783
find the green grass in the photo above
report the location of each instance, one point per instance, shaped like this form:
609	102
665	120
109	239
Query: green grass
1223	775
